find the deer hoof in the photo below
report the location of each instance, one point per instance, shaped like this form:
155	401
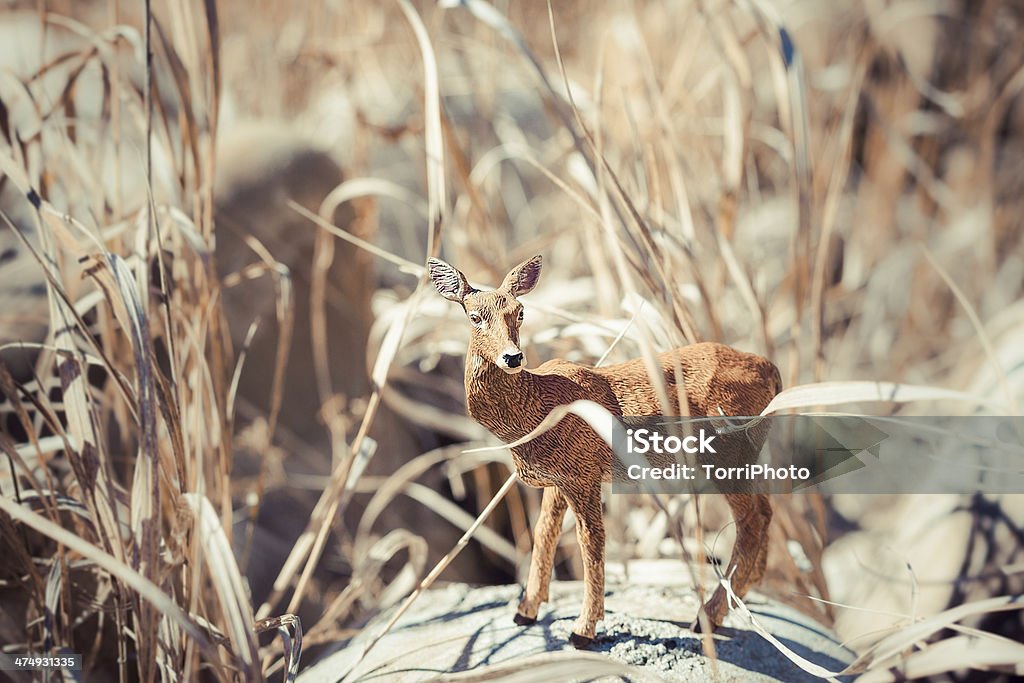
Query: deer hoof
714	609
697	628
580	642
523	620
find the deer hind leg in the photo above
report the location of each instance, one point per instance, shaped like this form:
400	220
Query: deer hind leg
753	516
545	542
762	558
586	505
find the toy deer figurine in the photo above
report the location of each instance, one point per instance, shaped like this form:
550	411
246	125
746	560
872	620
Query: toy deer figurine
570	461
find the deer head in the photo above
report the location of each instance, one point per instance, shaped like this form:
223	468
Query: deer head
495	315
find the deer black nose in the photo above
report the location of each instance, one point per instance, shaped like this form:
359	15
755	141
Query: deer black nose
513	360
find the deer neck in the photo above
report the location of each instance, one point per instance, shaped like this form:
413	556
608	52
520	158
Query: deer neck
498	400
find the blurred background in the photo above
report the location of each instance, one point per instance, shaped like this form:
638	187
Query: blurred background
223	377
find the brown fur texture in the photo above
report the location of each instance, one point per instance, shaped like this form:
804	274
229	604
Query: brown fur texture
570	461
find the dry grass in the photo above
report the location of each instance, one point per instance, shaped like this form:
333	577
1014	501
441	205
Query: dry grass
850	208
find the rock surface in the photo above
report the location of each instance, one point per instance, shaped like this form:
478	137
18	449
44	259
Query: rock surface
468	634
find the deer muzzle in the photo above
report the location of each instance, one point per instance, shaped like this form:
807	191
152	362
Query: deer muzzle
511	360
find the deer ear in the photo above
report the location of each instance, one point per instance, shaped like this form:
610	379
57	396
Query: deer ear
523	278
448	280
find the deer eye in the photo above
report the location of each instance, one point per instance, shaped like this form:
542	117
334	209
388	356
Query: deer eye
520	316
475	318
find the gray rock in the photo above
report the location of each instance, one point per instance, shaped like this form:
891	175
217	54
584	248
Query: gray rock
645	636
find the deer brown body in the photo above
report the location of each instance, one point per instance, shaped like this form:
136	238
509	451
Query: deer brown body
570	461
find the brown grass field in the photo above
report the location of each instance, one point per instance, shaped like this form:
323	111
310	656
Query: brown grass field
232	420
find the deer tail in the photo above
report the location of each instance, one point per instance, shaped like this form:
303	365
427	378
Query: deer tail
777	379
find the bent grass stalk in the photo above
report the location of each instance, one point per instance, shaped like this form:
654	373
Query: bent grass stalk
429	579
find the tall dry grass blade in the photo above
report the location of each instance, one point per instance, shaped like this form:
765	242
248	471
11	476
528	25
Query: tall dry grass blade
453	513
746	289
604	424
838	393
490	16
416	269
284	308
830	210
999	656
330	502
683	317
618	338
368	571
145	588
312	540
404	265
228	584
363	447
979	329
144	510
289	628
919	631
442	564
806	665
213	97
229	403
437	196
366	187
384	494
98	487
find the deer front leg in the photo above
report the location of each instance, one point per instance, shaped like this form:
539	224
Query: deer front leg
753	515
586	505
545	542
